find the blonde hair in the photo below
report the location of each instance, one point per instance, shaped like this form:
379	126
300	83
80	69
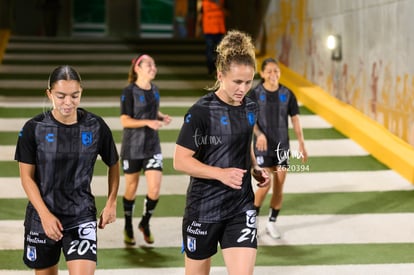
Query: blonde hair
235	47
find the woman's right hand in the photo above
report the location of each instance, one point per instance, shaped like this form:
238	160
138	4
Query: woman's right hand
52	226
232	177
154	124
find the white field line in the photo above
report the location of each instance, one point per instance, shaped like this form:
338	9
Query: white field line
339	147
369	269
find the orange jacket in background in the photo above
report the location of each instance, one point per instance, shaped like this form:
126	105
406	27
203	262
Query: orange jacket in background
213	17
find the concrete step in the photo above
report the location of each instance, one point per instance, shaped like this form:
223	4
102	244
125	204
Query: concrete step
15	124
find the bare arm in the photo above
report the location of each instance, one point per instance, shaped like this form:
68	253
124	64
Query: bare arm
129	122
261	140
50	223
108	214
299	135
185	162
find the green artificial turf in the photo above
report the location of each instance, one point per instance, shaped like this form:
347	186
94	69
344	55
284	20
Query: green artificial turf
170	135
334	203
314	164
8	138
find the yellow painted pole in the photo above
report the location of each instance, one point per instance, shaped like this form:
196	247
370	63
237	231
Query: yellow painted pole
4	40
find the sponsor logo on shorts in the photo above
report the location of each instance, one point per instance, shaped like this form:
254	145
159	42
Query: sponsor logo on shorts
195	229
87	231
34	238
251	218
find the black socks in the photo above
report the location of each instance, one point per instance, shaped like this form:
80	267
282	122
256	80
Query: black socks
128	212
273	213
149	206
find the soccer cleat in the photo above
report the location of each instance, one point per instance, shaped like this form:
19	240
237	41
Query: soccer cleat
129	236
272	230
147	233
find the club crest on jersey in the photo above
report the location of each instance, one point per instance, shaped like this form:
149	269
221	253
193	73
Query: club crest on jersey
191	244
262	97
283	98
31	254
251	118
142	99
87	138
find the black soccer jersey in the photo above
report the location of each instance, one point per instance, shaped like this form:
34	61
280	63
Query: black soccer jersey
144	142
220	135
274	111
64	156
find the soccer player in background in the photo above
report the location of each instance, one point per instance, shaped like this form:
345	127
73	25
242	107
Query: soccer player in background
271	142
141	148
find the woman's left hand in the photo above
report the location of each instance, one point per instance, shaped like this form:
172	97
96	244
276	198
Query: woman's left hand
261	176
166	119
107	216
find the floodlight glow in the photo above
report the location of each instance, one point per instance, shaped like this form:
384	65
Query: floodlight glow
331	42
334	44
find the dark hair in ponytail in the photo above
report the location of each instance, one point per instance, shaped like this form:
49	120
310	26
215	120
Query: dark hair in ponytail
64	72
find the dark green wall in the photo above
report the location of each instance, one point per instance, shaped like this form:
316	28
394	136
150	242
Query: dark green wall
122	17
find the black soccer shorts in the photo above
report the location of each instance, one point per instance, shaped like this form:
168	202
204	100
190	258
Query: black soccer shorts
200	239
77	243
